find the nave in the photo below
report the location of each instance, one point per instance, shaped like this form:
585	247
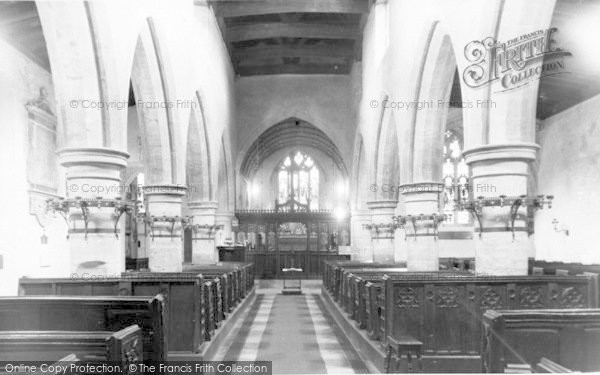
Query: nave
294	331
430	168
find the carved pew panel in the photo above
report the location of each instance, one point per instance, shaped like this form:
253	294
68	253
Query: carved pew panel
445	314
61	313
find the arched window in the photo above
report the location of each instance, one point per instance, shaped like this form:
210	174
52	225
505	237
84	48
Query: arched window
298	179
456	178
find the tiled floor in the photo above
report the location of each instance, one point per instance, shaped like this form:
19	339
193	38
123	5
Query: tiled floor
293	331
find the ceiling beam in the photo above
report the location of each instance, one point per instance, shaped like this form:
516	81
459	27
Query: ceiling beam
239	8
269	52
293	69
290	30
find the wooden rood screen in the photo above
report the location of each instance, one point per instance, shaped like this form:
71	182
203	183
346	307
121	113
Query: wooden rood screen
289	237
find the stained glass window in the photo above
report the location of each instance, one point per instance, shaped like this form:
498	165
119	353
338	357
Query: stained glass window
456	178
299	179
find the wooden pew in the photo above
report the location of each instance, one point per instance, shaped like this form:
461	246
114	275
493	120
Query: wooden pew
123	346
89	313
364	294
207	307
333	273
182	292
549	268
242	275
236	279
569	337
445	314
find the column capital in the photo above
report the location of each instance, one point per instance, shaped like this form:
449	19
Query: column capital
360	213
91	156
384	204
421	187
204	205
175	190
524	151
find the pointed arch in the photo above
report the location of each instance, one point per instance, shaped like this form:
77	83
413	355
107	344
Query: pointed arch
154	130
198	174
225	191
438	72
359	189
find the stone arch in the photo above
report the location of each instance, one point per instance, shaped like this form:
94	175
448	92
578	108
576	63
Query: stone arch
74	72
198	175
153	123
426	143
387	166
359	189
225	191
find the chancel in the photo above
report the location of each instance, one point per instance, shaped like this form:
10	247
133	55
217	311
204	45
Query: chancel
301	186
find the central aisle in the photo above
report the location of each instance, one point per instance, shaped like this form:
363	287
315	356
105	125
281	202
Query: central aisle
294	331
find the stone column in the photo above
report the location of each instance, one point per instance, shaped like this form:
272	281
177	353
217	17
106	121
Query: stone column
92	173
382	241
422	245
501	170
361	238
204	250
164	245
224	219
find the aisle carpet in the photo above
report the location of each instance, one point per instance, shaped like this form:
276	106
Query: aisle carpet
296	333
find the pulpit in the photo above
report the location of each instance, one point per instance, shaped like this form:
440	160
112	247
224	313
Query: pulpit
232	253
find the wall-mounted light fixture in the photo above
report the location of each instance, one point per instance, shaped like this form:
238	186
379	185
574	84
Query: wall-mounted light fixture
151	221
63	207
382	227
435	218
562	228
515	203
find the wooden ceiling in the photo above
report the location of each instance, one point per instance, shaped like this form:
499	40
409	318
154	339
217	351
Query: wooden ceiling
20	26
292	36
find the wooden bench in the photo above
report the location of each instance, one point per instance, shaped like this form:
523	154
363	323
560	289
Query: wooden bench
182	294
445	313
241	274
570	337
550	268
90	313
364	295
123	346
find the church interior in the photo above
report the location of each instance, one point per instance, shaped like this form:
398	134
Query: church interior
300	186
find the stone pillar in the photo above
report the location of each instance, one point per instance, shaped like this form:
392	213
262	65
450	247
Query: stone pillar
164	245
501	170
422	245
224	219
93	173
382	241
361	238
204	250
